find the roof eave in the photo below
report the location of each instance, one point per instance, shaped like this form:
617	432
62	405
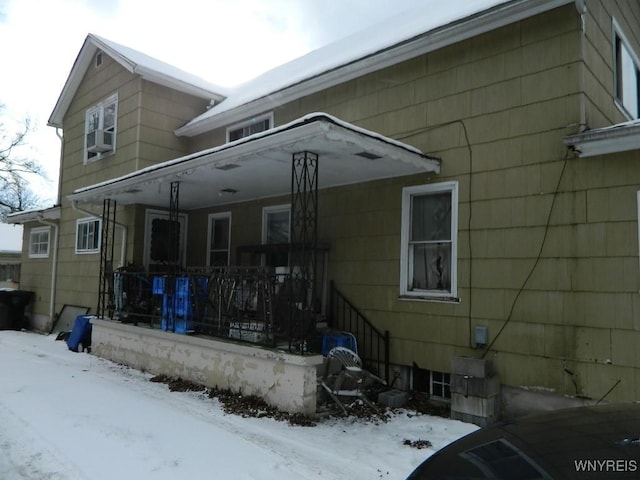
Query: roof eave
616	139
84	59
477	24
36	215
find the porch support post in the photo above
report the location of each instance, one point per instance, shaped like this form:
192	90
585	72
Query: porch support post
304	243
106	256
174	229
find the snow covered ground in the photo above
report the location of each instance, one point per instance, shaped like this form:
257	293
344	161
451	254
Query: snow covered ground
73	416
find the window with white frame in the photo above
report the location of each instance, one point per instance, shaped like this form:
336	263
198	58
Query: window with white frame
276	229
249	127
626	74
219	239
88	235
100	129
429	240
39	239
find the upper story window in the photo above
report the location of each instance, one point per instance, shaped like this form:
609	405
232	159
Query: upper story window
626	74
429	238
100	129
219	238
88	235
39	239
255	125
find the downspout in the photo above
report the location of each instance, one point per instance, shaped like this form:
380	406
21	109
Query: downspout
123	250
581	6
54	266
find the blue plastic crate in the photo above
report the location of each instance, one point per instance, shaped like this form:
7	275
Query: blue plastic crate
158	285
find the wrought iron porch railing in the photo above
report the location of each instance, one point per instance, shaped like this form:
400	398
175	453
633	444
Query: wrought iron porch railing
373	345
239	303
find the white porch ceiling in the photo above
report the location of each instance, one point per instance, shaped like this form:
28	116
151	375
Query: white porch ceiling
259	166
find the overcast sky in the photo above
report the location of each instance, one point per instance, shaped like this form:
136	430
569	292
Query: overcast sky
224	41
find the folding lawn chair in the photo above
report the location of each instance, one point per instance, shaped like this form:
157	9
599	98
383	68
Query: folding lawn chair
350	380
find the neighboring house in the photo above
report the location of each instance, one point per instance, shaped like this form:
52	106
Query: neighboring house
472	190
10	268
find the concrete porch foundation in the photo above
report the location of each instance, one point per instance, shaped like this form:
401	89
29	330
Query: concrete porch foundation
285	381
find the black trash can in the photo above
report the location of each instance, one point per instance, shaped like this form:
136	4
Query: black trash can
12	308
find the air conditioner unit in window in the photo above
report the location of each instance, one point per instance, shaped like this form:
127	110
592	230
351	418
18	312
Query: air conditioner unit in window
99	141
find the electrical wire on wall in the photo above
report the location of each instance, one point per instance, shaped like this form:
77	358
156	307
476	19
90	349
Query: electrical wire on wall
537	260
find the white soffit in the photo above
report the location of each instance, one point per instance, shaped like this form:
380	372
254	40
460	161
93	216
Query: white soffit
259	166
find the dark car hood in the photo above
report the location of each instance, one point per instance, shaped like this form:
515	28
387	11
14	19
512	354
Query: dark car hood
598	442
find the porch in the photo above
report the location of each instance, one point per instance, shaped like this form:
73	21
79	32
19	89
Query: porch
256	326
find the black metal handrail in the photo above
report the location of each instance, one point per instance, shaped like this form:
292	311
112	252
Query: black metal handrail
373	344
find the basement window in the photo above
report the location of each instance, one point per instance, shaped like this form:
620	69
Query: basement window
626	74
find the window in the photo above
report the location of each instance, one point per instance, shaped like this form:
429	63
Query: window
88	235
276	228
100	129
275	224
99	59
255	125
440	385
219	239
626	74
429	235
39	242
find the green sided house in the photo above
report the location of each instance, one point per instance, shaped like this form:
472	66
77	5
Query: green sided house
454	194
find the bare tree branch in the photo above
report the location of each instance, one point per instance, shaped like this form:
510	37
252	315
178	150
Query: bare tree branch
15	193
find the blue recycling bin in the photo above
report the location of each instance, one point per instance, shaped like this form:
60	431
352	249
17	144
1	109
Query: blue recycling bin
80	336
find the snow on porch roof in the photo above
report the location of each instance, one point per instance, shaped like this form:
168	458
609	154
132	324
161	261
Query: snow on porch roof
259	166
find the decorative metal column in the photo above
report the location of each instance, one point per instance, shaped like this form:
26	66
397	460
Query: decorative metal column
304	243
173	255
106	257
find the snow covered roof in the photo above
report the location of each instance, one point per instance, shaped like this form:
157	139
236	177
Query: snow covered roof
415	32
621	137
36	214
235	171
137	63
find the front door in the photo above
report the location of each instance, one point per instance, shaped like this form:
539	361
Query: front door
157	240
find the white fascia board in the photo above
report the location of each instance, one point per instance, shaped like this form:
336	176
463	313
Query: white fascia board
52	213
483	22
614	139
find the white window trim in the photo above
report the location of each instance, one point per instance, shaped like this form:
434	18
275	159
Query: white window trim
246	123
407	194
111	99
212	217
274	209
36	231
88	251
618	33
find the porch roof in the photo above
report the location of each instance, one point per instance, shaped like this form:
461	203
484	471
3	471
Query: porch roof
259	166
